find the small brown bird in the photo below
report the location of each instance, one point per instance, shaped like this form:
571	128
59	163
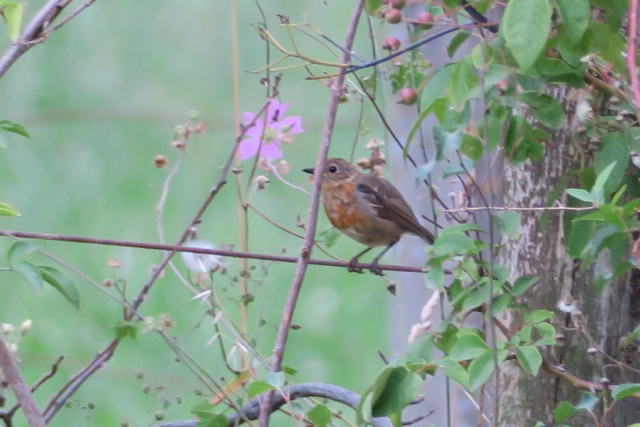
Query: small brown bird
366	208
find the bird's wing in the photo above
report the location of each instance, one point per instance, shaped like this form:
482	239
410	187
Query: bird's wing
389	204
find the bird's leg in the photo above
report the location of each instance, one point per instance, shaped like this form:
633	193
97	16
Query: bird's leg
352	264
375	268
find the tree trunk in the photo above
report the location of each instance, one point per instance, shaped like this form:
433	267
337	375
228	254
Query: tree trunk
540	251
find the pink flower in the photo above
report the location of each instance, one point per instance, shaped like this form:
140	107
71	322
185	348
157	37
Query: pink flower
278	130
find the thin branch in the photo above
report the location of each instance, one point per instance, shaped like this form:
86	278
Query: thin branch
32	31
299	391
534	209
16	382
45	377
64	21
179	248
307	246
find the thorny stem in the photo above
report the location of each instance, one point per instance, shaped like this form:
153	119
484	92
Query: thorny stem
307	246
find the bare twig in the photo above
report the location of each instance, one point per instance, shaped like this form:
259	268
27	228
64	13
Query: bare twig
307	246
13	376
45	377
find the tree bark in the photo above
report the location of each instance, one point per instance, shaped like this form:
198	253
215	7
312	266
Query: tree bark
540	251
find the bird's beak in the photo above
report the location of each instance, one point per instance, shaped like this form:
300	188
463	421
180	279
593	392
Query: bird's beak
308	170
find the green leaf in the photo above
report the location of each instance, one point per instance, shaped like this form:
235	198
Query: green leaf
12	13
446	142
62	283
276	379
463	79
213	420
544	107
18	251
563	411
588	401
363	412
482	367
258	387
471	147
31	273
420	350
455	243
580	194
459	38
207	417
508	223
467	347
330	235
499	303
576	15
6	210
454	371
523	283
10	126
423	171
372	6
597	191
614	149
289	370
319	415
539	316
393	390
434	279
526	25
609	43
547	333
126	329
529	358
624	390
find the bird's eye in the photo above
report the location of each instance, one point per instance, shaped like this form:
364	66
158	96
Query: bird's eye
333	169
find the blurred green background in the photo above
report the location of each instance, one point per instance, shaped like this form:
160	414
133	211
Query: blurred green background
101	98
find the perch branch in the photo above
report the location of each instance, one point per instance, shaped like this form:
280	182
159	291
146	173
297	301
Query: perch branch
179	248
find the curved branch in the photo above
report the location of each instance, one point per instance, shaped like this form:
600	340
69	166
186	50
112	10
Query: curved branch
32	30
251	411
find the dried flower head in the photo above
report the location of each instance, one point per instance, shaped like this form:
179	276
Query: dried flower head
160	161
200	263
373	144
283	167
261	182
115	263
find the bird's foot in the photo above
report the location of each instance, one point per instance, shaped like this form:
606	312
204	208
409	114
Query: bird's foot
352	266
375	268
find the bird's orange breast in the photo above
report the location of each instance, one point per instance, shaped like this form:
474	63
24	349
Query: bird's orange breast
341	207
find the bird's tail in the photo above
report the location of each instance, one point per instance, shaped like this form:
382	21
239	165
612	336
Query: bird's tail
426	235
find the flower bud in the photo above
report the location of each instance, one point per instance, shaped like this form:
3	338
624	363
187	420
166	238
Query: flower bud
25	327
393	16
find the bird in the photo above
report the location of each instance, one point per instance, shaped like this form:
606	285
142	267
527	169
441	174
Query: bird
366	208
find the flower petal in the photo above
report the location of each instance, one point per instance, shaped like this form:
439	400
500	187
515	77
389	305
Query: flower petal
248	148
291	125
271	151
256	130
